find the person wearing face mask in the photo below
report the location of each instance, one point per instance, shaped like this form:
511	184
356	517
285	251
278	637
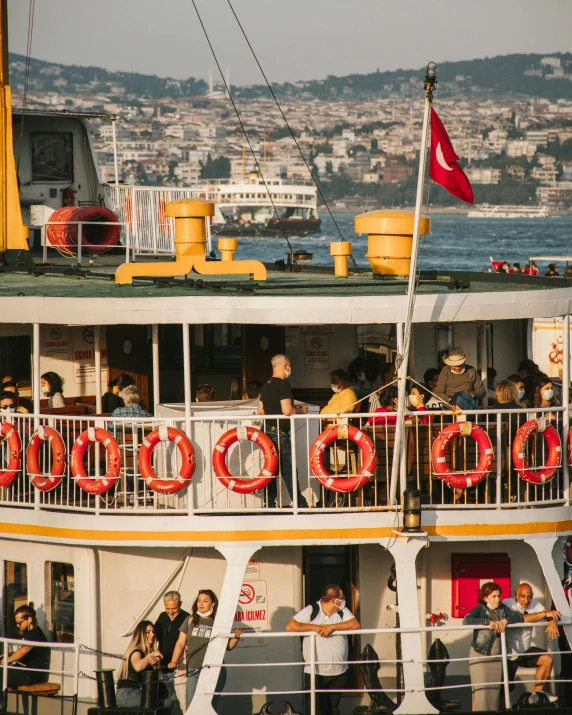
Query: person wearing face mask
459	383
23	405
520	389
327	617
358	376
276	398
544	396
8	404
344	399
52	387
194	635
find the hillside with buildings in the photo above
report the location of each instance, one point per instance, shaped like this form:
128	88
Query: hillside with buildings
362	145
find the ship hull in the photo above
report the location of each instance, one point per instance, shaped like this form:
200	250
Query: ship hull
269	229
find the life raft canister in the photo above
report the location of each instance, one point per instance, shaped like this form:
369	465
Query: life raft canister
537	476
366	449
181	441
235	484
439	459
42	481
89	485
11	435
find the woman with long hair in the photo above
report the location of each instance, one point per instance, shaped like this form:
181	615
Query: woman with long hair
141	654
544	393
195	634
485	667
52	386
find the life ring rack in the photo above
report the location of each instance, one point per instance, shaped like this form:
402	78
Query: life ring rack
473	477
554	459
46	482
182	442
88	484
9	432
367	452
220	468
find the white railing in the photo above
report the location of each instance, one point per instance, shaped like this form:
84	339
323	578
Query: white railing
505	682
142	208
502	488
79	249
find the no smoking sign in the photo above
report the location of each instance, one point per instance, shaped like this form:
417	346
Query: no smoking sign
246	594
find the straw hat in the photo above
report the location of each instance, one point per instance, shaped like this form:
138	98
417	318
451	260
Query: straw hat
455	358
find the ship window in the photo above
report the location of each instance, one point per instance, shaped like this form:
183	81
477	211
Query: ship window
52	156
60	597
15	594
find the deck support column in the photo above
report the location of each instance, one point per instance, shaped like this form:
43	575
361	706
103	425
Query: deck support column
404	550
544	549
566	402
156	376
97	351
237	558
36	373
483	350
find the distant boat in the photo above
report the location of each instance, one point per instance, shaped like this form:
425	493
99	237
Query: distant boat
508	211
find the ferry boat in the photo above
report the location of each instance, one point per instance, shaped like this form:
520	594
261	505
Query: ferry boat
101	515
508	211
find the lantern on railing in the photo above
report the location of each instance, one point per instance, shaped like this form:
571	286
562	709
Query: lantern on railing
412	511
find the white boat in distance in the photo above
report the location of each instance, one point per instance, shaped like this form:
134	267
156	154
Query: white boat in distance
509	211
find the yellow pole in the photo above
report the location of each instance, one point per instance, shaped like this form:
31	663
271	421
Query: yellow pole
13	233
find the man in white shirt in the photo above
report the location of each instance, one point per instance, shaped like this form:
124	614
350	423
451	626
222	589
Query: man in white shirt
328	616
518	640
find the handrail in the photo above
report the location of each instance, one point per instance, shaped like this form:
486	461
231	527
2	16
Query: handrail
70	647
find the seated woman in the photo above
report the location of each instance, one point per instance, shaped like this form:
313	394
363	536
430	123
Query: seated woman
142	654
195	634
52	386
387	408
111	400
485	669
507	395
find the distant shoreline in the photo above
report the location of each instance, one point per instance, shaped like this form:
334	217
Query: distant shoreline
437	210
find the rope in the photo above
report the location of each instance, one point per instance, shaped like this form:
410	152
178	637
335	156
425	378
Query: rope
281	226
290	130
31	13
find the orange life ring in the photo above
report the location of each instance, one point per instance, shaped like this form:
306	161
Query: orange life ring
89	485
164	434
15	446
244	486
368	458
552	437
439	458
42	481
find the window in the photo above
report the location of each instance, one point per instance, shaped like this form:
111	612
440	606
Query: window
15	594
60	598
52	157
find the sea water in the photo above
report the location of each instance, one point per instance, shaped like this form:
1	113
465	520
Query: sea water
455	243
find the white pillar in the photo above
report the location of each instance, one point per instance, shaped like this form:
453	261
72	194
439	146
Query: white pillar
483	351
399	464
115	153
544	549
156	385
98	387
237	558
187	372
36	371
404	550
566	402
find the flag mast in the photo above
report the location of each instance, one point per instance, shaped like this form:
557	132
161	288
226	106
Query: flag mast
399	457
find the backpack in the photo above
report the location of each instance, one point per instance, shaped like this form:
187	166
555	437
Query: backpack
313	616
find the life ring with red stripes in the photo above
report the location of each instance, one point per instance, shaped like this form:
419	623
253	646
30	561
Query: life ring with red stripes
41	481
366	449
235	484
181	441
537	476
8	431
89	485
439	456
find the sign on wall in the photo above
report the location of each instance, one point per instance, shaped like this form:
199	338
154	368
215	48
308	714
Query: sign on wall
83	343
56	342
317	352
252	607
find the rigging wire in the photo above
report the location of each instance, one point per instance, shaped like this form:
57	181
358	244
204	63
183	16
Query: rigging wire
289	128
280	224
31	13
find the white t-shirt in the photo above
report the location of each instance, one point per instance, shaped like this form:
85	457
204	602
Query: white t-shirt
519	640
330	651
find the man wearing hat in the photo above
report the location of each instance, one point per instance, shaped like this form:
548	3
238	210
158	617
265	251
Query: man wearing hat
458	382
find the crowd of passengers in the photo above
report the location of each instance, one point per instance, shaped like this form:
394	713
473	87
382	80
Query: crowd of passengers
176	645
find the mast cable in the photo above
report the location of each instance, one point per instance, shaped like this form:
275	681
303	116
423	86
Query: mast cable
31	12
281	226
290	129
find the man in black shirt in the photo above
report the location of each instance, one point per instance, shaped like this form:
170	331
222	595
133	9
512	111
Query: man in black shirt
276	399
167	632
29	659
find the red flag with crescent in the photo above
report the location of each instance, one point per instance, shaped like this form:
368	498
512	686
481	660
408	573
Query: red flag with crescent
444	168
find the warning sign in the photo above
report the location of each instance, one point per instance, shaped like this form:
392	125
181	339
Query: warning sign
317	351
252	608
56	342
84	356
253	568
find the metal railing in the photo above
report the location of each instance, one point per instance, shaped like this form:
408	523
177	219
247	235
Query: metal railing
313	664
80	250
502	488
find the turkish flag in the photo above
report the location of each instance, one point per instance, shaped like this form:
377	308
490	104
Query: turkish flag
443	165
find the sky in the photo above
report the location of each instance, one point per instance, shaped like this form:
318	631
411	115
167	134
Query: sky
294	39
